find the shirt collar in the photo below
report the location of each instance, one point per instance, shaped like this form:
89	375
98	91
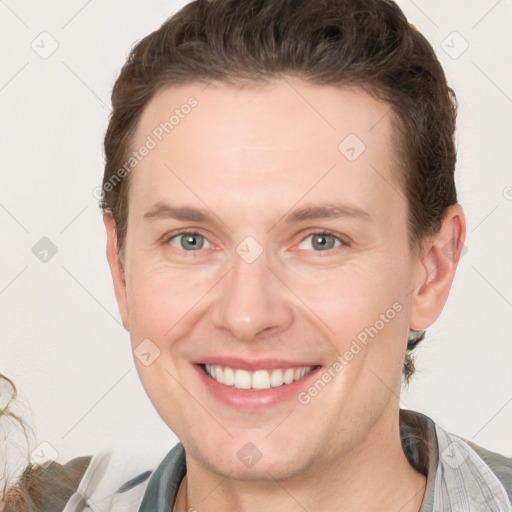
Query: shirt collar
163	485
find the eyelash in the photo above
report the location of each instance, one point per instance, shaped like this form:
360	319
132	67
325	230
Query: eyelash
324	232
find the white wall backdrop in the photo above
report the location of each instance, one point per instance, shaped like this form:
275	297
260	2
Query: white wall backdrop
61	340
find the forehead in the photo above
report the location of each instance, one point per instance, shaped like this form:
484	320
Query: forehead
276	140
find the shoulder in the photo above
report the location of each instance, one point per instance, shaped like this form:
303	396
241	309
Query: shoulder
457	468
473	472
499	464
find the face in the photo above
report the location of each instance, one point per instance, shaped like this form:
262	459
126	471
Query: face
263	237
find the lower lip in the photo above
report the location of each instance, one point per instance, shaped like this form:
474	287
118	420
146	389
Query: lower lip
255	399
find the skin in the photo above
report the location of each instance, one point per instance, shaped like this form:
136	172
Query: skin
252	156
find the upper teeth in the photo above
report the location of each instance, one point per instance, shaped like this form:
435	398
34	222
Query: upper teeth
260	379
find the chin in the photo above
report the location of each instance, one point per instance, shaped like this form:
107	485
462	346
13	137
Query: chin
250	463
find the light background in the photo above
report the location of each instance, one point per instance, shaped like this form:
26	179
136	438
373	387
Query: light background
61	338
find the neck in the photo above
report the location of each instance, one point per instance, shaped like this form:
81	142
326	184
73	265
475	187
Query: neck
373	476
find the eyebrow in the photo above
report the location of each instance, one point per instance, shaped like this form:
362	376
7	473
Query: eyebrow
332	210
165	211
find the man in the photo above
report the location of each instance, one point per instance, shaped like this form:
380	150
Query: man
281	221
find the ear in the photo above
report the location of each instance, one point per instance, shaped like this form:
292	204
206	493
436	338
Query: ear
116	268
436	270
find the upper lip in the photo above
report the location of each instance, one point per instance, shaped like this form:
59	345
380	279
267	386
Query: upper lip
253	364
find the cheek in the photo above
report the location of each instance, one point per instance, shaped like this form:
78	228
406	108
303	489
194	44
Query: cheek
162	301
366	317
352	298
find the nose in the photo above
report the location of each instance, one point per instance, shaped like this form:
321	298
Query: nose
252	301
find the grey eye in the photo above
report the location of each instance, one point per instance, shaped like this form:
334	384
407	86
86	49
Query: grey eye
189	241
322	241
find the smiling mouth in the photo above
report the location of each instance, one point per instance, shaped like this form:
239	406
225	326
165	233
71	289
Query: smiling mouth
258	380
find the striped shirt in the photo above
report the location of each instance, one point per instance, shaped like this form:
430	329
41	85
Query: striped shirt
461	476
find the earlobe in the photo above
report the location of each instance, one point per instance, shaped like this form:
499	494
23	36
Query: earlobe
437	269
116	268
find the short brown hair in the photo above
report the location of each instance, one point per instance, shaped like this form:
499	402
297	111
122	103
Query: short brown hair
366	43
